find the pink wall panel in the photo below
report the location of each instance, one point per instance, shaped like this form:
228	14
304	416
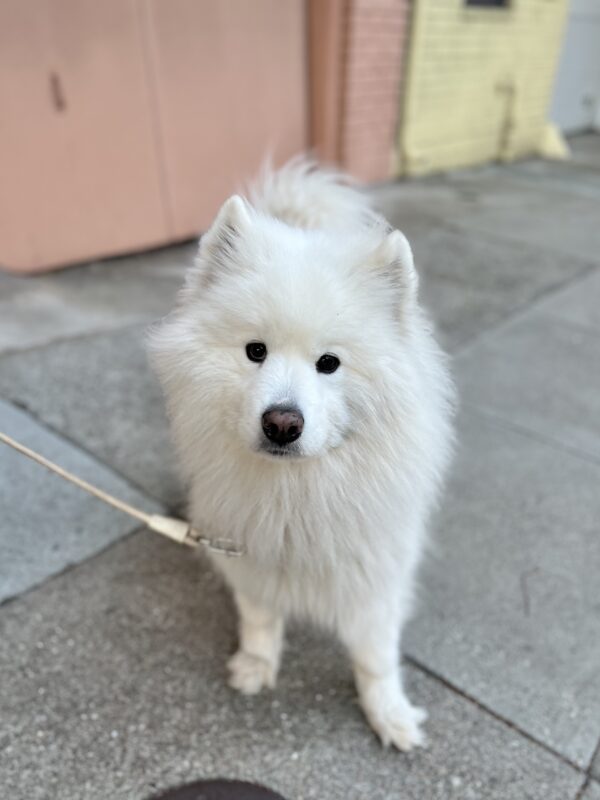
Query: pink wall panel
78	162
124	123
376	36
356	57
231	85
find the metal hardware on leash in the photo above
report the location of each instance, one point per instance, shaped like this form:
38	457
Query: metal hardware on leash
178	530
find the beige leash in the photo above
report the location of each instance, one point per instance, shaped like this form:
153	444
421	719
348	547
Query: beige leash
177	529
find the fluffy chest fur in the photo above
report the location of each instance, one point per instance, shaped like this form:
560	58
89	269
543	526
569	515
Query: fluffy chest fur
319	534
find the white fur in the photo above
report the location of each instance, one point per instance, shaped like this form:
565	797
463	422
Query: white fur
335	534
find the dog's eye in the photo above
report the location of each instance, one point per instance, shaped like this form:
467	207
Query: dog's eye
327	363
256	351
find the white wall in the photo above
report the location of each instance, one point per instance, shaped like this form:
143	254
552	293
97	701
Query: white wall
576	100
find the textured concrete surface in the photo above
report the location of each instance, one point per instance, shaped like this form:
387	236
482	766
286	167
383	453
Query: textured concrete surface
540	373
579	303
112	671
94	297
113	686
592	792
473	277
46	523
576	178
561	217
510	600
535	212
585	151
99	391
466	297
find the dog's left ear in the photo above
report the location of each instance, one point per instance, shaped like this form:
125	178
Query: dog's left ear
393	258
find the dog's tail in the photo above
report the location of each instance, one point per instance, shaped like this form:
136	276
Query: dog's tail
305	195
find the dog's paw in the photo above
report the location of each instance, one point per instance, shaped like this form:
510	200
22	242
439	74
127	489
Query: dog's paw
399	726
249	674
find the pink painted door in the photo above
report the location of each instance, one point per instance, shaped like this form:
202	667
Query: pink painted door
124	123
79	169
231	88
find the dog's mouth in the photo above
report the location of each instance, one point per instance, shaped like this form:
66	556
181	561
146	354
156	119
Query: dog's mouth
271	451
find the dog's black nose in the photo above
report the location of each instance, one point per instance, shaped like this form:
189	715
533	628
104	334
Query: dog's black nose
282	424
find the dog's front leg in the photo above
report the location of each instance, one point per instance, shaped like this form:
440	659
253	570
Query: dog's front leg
372	637
256	663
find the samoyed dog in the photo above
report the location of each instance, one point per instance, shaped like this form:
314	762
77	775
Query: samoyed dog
311	409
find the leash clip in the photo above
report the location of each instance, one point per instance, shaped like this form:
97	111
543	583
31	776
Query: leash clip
224	547
181	531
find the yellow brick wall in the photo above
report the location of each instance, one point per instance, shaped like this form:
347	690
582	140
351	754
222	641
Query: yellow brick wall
479	82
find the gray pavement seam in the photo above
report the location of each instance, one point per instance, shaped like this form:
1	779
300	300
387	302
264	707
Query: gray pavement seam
22	406
522	311
590	330
419	665
76	337
7	601
588	774
583	788
508	424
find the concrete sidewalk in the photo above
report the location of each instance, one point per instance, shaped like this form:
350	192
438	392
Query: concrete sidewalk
113	642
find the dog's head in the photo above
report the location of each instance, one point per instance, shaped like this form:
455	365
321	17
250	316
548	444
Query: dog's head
286	339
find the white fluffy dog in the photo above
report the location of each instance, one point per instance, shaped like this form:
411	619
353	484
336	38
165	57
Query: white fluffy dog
311	410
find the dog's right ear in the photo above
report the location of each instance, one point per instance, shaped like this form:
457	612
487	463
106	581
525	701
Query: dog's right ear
219	244
230	223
